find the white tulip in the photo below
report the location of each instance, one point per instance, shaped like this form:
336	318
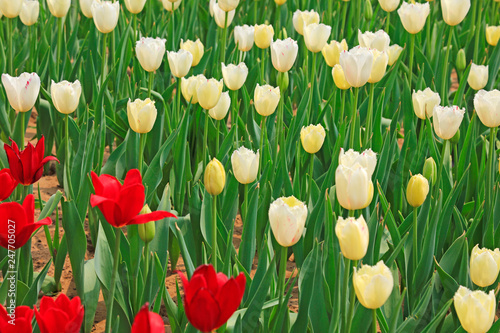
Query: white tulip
29	12
245	165
478	76
380	61
413	16
284	54
316	36
208	93
287	217
266	99
367	159
353	187
263	35
357	64
447	120
331	52
424	102
22	91
301	19
141	115
475	309
135	6
179	62
219	111
220	15
312	138
189	87
487	106
10	8
150	52
228	5
66	95
389	5
171	6
234	75
58	8
379	40
454	11
86	7
484	266
353	236
394	51
105	14
243	37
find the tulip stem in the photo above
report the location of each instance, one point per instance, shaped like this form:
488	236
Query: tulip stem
351	302
311	170
146	263
278	21
23	128
9	46
388	22
490	175
342	108
374	323
234	116
313	78
142	142
59	45
410	66
282	276
214	232
280	132
150	84
353	119
262	64
67	164
205	139
262	138
415	240
444	78
440	168
223	44
178	111
368	132
116	257
245	210
104	59
344	14
217	138
136	35
347	267
477	29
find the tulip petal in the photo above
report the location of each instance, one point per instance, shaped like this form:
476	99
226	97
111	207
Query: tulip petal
133	177
203	313
229	298
154	216
131	201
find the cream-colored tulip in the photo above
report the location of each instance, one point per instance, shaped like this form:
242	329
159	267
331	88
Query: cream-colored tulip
228	5
58	8
373	285
29	12
22	91
454	11
189	87
86	7
196	48
331	52
11	8
219	111
424	102
245	165
379	40
417	190
141	115
150	52
316	35
413	16
263	35
105	14
478	76
380	61
266	99
220	15
279	2
284	54
339	77
243	37
354	188
394	51
208	93
312	138
389	5
357	65
475	309
234	75
487	106
66	95
171	6
447	120
179	62
215	177
287	217
353	236
135	6
492	35
367	159
484	266
302	19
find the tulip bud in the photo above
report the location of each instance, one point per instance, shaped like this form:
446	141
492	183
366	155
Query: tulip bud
215	177
105	14
141	115
492	35
461	61
389	5
475	309
394	51
487	106
380	60
86	7
150	52
228	5
22	91
147	230
447	120
171	6
379	40
478	76
316	35
331	52
417	190
29	12
66	95
424	102
430	170
287	217
353	237
312	138
135	6
301	19
454	11
58	8
245	165
208	93
283	54
195	48
219	111
373	284
339	78
220	15
234	76
484	266
456	138
354	188
357	65
189	87
263	35
179	62
10	9
266	99
243	37
368	10
413	16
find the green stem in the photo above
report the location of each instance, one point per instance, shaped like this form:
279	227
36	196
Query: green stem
262	138
223	42
217	136
245	203
67	162
342	107
368	131
205	140
415	240
444	77
311	170
441	161
278	21
347	268
234	115
388	22
410	66
150	84
178	92
136	34
351	302
23	128
344	14
214	232
173	26
477	30
282	276
313	78
353	118
116	257
146	263
351	213
59	45
9	46
490	175
104	58
374	323
262	65
142	144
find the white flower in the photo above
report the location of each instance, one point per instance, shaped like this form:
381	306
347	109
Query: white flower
478	76
301	19
266	99
234	75
487	106
379	40
287	217
66	95
284	54
22	91
219	111
105	15
367	159
316	36
454	11
245	165
447	120
135	6
150	52
413	16
179	62
220	15
424	102
141	115
58	8
243	37
29	12
357	64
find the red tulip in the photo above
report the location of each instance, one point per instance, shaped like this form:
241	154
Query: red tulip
211	298
8	184
27	165
60	315
19	322
147	322
121	204
17	223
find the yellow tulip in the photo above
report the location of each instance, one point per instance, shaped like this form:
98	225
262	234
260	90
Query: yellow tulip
353	236
312	138
475	309
417	190
215	177
196	48
141	115
484	266
373	285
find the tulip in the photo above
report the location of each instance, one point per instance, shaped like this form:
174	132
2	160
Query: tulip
266	99
208	93
492	35
312	138
379	40
413	16
22	91
478	76
245	165
147	321
475	309
461	62
354	187
417	190
353	237
228	5
189	87
219	111
454	11
220	15
484	266
331	52
150	52
19	221
195	48
171	6
10	8
65	95
29	12
301	19
26	166
23	315
59	8
141	115
430	170
9	184
263	35
447	120
215	177
105	14
59	315
316	35
179	62
86	7
389	5
487	106
234	75
339	78
279	2
283	54
373	284
367	159
287	217
147	230
218	296
135	6
357	65
394	51
380	60
243	37
121	204
424	102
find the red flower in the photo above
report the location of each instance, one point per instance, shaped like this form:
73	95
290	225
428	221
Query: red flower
210	299
8	184
17	223
20	322
27	165
60	315
147	322
121	204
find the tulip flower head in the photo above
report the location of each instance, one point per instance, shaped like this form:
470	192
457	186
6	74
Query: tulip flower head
424	102
287	217
141	115
210	298
331	52
266	99
283	54
179	62
430	170
10	9
59	8
219	111
215	177
171	6
208	93
59	315
22	91
189	87
487	106
150	52
147	321
354	188
24	316
380	61
367	159
478	76
417	190
9	184
312	138
492	35
379	40
196	48
484	266
339	77
29	12
475	309
147	230
220	15
243	37
66	95
263	35
316	35
279	2
447	120
245	165
135	6
373	285
234	75
301	19
454	11
413	16
105	14
394	51
353	237
389	5
86	7
228	5
357	65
